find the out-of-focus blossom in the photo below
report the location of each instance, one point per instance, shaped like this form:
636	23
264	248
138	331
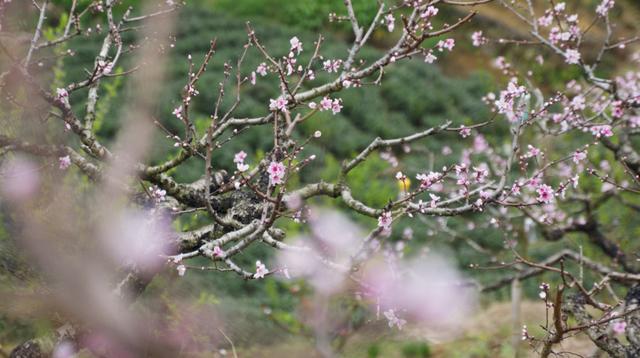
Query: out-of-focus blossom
181	270
19	179
64	162
430	57
619	326
604	7
465	132
572	56
617	109
393	320
579	156
428	290
135	238
333	238
478	39
602	131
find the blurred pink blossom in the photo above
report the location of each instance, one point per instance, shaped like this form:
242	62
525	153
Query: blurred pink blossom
427	288
19	179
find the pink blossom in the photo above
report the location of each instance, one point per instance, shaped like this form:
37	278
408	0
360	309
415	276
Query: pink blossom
426	180
506	103
326	103
61	94
105	66
461	169
261	270
253	78
618	109
478	39
572	56
285	272
579	156
262	69
556	36
430	11
434	200
276	172
446	44
181	270
480	144
465	132
534	182
604	7
479	174
574	181
332	235
533	152
64	162
394	320
19	179
242	167
578	103
311	75
290	63
385	220
64	349
545	193
336	106
602	131
279	104
217	251
546	20
157	194
427	290
296	45
430	57
390	22
515	189
501	63
332	65
239	157
178	112
619	326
